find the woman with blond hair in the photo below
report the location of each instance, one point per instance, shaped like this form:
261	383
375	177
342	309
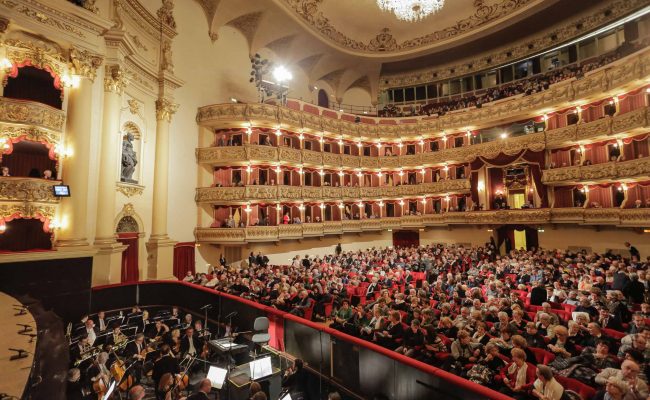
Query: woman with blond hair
518	378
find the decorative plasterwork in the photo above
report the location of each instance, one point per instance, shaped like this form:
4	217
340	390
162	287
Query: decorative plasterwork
43	18
31	113
27	210
384	42
165	14
611	171
115	79
165	109
84	63
590	216
143	18
30	133
129	189
38	54
522	49
27	189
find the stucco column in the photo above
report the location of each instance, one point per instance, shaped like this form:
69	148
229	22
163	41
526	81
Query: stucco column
108	262
74	209
160	247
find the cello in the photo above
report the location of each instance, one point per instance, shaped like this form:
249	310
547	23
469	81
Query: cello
118	370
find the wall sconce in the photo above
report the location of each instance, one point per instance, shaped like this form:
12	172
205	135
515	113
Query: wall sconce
301	207
423	171
249	169
401	202
360	204
321	140
444	138
480	186
400	173
469	133
321	172
341	206
278	207
446	198
340	142
248	208
379	146
400	145
341	173
278	169
380	174
421	142
503	135
359	174
301	136
54	224
322	206
359	145
4	143
278	132
3	227
59	149
300	171
585	189
545	117
424	201
381	203
445	168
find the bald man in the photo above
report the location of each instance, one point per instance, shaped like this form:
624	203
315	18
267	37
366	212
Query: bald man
136	393
204	388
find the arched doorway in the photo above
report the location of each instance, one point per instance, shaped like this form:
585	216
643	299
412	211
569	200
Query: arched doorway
323	99
516	237
128	234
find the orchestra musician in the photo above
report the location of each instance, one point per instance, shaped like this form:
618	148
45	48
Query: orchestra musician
91	331
82	347
165	364
101	321
135	351
117	338
190	343
187	322
158	331
99	374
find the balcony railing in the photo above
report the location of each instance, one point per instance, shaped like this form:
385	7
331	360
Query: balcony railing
611	171
36	121
27	197
628	124
590	216
282	193
620	75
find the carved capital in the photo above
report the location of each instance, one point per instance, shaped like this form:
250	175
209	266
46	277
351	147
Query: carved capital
84	63
115	79
165	109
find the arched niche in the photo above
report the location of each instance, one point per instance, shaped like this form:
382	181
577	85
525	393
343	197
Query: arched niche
131	153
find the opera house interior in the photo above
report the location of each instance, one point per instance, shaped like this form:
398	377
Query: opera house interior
325	199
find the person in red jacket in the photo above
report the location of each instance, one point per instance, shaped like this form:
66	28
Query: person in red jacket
518	377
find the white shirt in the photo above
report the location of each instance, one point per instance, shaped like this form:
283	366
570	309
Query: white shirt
91	336
191	349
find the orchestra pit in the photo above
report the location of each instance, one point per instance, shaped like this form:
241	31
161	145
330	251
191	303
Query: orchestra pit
324	199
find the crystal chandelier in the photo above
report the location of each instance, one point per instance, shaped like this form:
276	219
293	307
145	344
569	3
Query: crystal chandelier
411	10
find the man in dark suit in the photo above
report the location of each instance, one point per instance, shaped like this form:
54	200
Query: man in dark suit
190	343
608	321
134	353
101	321
295	379
204	388
538	294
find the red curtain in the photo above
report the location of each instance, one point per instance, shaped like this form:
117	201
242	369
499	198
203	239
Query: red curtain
130	271
635	147
561	158
563	196
406	239
631	102
601	195
594	112
23	234
223	176
27	156
276	331
495	178
184	259
637	191
597	153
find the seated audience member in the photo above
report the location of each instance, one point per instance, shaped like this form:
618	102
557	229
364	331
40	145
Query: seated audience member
413	340
47	174
546	387
587	364
561	345
5	171
518	377
393	332
629	373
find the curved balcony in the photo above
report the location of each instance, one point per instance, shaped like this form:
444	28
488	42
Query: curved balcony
611	171
27	197
283	193
37	121
590	216
624	125
620	75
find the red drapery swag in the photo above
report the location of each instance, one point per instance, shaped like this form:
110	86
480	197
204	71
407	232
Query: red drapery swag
130	271
222	176
564	196
276	331
637	191
184	259
631	102
536	163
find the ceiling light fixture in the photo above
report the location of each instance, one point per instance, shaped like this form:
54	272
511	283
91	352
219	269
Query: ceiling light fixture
411	10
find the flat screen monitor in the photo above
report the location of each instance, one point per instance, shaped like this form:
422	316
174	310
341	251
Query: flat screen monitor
217	376
261	368
61	190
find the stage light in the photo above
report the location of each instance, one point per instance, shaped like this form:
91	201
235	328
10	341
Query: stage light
282	74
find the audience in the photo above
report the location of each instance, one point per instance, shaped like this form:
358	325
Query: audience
472	311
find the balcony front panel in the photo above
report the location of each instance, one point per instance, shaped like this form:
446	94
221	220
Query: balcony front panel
221	155
289	155
576	216
312	157
292	193
262	154
631	121
332	159
611	171
593	129
31	113
348	161
23	190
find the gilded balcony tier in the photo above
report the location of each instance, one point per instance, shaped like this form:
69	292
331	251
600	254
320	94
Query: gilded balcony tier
590	216
27	198
35	121
281	193
611	171
620	76
623	125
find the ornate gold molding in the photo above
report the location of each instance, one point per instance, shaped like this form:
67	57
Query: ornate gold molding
27	210
31	113
591	216
165	109
40	55
115	79
523	48
611	171
129	189
27	190
84	63
30	133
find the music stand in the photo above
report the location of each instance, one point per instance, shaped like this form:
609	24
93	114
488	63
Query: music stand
217	376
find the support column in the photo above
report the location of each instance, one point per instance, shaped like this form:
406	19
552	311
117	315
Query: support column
74	210
159	246
108	262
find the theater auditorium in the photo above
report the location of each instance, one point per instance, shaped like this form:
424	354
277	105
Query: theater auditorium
324	199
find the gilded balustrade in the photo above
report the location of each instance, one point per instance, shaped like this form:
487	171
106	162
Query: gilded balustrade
32	120
27	190
590	216
623	125
611	171
281	193
628	71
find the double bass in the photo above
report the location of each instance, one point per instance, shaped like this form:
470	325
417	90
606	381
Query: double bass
118	370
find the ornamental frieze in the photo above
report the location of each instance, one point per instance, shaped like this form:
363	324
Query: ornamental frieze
312	157
290	155
30	133
331	159
262	153
330	192
290	192
630	120
31	113
312	192
598	172
27	189
261	192
27	210
595	128
219	194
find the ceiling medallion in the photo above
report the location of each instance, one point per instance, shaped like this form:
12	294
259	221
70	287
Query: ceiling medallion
411	10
